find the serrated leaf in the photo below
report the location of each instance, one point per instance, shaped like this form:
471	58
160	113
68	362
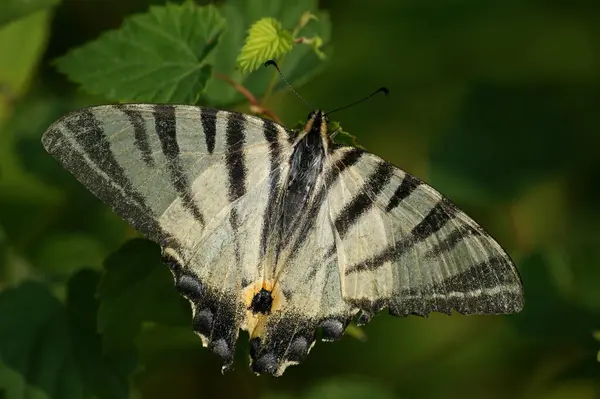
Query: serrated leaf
11	10
137	287
159	56
266	40
55	348
299	65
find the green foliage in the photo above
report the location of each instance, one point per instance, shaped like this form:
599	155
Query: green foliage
55	347
136	288
266	40
300	64
170	53
11	10
505	113
20	56
497	108
343	137
340	388
159	56
597	336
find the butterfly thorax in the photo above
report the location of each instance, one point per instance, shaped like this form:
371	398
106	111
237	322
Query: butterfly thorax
289	216
288	219
306	164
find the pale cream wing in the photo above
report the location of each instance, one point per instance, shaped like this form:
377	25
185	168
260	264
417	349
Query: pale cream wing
400	244
197	181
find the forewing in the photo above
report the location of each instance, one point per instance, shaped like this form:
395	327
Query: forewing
400	244
140	158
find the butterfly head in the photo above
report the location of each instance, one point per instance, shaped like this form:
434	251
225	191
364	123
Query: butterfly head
316	124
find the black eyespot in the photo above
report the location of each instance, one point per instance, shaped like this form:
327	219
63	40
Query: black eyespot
262	302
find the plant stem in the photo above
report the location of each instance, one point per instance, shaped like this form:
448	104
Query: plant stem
255	104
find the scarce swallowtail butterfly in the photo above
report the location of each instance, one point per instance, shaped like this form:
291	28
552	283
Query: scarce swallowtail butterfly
280	232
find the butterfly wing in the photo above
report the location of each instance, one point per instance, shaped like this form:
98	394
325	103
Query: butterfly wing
400	244
195	180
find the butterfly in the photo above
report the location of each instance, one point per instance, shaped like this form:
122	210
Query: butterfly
279	232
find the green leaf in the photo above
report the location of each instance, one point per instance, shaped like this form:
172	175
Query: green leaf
299	65
62	254
343	137
20	57
55	348
105	376
159	56
11	10
14	386
266	40
137	287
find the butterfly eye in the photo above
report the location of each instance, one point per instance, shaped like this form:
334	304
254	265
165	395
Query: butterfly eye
310	115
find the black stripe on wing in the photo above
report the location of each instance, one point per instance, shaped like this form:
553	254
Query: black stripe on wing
453	239
140	132
208	119
364	200
491	286
112	185
165	123
271	211
407	186
234	156
437	217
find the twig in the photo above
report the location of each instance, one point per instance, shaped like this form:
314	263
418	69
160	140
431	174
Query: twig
255	105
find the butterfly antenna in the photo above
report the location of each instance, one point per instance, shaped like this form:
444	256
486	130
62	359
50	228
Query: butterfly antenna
272	62
380	90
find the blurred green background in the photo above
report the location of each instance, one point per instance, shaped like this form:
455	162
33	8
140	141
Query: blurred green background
495	103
